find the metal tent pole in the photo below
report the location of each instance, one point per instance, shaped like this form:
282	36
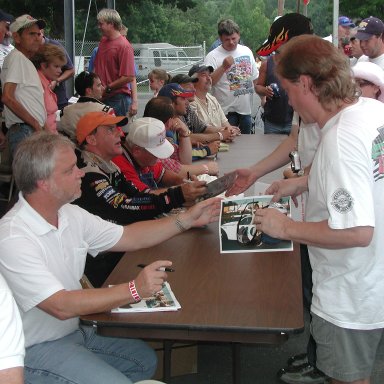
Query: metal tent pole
69	37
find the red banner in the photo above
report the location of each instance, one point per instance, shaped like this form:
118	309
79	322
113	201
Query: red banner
306	2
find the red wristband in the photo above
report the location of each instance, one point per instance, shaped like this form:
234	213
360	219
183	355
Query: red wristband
133	290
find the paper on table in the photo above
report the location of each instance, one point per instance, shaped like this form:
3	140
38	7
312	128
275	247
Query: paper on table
163	300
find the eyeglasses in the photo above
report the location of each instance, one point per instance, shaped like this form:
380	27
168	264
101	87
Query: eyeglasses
109	129
112	129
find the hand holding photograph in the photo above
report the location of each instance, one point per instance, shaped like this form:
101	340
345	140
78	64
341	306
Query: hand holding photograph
239	234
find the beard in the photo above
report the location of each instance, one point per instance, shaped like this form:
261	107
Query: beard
65	197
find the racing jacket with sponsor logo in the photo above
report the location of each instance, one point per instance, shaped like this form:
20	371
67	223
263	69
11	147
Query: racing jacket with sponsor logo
106	193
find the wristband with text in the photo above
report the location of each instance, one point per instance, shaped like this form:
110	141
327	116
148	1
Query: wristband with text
133	290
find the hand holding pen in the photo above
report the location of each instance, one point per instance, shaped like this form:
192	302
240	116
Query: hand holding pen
151	278
193	188
166	269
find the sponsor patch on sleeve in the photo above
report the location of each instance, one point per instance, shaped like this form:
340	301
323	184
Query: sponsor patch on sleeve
342	200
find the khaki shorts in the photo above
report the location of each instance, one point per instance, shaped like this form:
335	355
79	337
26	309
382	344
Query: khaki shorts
344	354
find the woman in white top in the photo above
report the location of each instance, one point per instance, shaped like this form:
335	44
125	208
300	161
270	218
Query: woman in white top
370	78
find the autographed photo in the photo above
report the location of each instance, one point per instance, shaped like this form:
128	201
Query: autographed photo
238	233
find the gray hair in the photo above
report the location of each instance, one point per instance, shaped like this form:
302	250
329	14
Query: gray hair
110	16
227	27
35	159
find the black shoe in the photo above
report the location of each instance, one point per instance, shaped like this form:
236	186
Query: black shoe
306	374
297	360
294	368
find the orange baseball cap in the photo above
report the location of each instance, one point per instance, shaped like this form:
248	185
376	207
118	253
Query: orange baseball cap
90	121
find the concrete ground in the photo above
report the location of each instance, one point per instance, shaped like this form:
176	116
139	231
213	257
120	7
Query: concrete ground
259	364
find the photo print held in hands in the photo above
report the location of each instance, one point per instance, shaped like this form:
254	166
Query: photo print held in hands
238	232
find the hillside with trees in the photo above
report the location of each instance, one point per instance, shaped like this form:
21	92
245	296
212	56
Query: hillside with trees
189	22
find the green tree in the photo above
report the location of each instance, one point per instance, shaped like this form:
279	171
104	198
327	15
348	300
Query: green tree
254	25
146	21
358	10
185	22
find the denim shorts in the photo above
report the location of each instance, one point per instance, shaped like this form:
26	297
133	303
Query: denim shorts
280	129
120	102
244	122
344	354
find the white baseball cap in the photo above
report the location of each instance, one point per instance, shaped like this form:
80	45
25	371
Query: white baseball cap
372	73
25	21
149	133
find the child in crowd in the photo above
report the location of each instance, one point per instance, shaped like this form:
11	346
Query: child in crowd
48	61
157	78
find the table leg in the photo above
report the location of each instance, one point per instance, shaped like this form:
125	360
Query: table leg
236	363
167	344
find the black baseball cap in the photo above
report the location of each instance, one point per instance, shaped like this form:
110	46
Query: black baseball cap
4	16
283	29
182	78
369	27
197	68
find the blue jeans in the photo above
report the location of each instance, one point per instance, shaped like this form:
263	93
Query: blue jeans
244	122
120	103
83	357
284	129
17	133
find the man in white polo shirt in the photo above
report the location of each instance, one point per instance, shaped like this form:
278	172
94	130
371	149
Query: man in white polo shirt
44	241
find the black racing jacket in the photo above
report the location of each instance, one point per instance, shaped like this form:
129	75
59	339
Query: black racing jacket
106	193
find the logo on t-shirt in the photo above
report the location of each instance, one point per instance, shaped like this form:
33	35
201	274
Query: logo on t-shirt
342	201
240	76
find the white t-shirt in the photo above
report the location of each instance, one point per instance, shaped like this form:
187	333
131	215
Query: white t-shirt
4	51
307	143
18	69
346	188
38	260
11	330
235	88
377	60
